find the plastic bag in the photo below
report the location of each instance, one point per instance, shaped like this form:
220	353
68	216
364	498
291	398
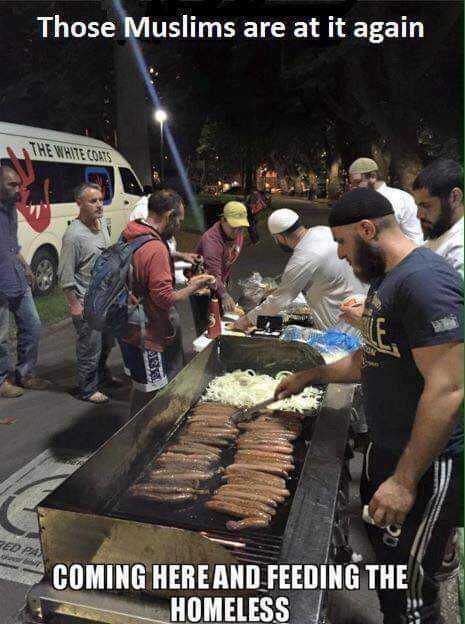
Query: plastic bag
332	344
256	288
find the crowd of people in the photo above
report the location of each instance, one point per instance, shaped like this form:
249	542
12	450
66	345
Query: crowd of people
401	254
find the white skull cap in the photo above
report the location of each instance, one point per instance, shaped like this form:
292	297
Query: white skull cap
281	220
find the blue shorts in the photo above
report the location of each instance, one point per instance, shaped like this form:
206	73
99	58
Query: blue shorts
146	368
151	370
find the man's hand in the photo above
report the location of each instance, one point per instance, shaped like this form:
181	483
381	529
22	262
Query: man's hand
31	278
242	324
352	314
391	502
228	303
293	384
193	258
199	281
76	308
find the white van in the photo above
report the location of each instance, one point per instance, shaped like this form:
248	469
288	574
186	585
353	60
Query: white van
51	164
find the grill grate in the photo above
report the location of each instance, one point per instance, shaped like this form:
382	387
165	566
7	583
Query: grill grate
250	548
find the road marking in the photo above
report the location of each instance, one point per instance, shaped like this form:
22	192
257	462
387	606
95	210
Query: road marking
20	552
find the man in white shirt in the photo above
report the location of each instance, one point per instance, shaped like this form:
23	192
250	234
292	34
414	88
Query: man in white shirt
363	173
313	269
438	191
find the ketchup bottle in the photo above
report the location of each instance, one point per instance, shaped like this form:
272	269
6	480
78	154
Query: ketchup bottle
214	318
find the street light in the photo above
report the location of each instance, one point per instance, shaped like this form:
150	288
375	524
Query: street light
161	117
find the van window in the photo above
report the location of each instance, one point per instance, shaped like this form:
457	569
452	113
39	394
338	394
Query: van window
130	185
63	179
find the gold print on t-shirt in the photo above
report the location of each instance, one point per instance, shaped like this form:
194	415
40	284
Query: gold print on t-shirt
373	331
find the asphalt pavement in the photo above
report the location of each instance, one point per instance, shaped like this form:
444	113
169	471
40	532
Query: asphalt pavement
53	431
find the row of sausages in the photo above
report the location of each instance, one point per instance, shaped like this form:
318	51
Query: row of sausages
255	483
180	473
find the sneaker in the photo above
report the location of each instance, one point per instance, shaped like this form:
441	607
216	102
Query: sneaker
35	383
9	391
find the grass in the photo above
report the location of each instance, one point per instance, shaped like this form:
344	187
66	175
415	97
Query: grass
52	308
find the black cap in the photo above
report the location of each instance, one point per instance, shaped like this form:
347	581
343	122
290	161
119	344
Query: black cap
361	203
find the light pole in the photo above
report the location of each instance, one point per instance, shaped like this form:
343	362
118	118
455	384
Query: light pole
161	117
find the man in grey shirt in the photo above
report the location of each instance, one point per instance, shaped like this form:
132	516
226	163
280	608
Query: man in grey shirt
84	240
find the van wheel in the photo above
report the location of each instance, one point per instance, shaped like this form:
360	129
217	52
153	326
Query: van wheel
45	268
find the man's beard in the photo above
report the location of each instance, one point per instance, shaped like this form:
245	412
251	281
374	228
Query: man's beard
168	232
444	223
11	200
369	261
285	248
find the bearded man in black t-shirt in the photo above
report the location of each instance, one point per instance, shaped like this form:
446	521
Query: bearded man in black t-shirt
411	370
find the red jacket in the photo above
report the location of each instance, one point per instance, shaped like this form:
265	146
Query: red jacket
154	281
219	254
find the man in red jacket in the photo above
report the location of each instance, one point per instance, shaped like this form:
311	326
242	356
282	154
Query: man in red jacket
154	359
220	247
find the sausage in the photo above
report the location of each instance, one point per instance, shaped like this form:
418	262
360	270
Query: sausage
194	447
180	457
165	497
265	454
285	463
261	424
260	445
202	437
256	464
213	421
232	509
177	466
270	434
254	477
273	468
211	431
279	457
250	506
168	489
167	476
247	523
245	493
278	494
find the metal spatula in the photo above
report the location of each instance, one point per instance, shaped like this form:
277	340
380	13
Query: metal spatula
245	414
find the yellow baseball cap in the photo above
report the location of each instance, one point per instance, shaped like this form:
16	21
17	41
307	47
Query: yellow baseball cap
363	165
235	214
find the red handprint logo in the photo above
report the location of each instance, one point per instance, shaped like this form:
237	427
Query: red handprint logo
38	217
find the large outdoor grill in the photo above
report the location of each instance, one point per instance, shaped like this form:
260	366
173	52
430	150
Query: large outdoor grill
92	518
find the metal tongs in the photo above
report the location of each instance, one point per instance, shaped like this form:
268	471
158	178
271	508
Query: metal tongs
246	414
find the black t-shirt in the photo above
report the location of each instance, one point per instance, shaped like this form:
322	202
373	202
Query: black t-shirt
419	303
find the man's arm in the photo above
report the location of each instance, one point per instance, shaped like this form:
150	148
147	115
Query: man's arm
295	278
346	370
75	305
160	285
66	273
437	413
212	252
197	282
186	256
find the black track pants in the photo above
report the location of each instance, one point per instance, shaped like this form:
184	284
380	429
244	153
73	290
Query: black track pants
421	545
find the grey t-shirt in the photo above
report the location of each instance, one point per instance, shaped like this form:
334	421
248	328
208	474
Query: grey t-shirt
80	248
